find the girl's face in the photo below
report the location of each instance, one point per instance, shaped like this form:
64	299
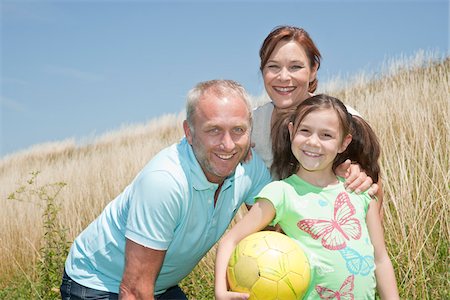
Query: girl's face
317	141
287	74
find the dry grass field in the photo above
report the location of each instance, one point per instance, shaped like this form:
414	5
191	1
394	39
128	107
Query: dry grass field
407	105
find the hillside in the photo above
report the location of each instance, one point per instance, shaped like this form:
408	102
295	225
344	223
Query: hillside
407	105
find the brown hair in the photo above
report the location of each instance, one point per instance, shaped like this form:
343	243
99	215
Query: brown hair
363	149
291	33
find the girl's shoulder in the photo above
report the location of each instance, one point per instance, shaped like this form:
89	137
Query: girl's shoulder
278	184
361	196
277	188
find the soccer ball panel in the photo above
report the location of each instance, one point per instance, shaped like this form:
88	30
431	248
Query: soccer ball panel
245	273
273	264
281	244
264	289
253	247
292	286
298	262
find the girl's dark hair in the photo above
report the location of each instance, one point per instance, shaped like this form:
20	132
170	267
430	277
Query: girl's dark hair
363	149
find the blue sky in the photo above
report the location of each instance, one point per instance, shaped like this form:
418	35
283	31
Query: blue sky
77	69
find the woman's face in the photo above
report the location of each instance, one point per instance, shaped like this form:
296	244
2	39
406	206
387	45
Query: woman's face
287	74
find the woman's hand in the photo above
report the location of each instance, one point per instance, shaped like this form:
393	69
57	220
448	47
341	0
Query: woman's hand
356	179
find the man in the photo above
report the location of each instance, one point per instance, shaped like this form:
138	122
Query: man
154	233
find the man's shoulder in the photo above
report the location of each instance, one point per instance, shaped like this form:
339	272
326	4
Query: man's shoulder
165	159
255	168
168	163
255	162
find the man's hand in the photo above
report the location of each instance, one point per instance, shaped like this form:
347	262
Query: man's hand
355	179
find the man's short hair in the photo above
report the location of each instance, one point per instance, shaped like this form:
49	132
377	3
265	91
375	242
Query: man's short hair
218	88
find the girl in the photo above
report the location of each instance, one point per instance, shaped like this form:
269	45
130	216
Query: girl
340	232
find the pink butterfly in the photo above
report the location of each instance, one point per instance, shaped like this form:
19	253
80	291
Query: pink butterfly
335	232
344	293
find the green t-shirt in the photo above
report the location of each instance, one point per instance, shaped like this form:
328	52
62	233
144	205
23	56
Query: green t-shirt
330	226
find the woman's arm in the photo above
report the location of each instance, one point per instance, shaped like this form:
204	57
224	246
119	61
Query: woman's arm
384	272
259	216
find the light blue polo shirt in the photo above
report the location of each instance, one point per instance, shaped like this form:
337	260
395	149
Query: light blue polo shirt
168	206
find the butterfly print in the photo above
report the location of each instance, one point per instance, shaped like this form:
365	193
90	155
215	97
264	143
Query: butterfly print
356	263
341	228
344	293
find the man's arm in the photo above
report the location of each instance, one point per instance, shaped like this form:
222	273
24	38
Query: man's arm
142	266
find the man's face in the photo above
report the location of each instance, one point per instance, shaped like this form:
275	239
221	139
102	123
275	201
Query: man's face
221	135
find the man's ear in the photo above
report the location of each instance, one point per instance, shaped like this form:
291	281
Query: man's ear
187	132
347	140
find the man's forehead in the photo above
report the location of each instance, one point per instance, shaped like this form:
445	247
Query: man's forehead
213	100
223	110
226	122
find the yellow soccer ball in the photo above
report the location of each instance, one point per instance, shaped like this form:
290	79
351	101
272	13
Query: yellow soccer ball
269	265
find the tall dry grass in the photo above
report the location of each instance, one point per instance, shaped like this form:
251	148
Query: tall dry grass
94	174
408	106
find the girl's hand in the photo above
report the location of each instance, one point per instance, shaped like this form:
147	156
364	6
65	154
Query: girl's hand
355	179
231	296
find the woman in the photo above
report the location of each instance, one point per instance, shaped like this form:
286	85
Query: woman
289	64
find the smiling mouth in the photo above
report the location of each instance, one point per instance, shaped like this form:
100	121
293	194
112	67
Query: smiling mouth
284	89
225	156
311	154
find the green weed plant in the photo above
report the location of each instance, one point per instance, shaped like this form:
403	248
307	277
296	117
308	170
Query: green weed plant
54	245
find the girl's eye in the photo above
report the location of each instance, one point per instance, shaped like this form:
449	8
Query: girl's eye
303	131
296	67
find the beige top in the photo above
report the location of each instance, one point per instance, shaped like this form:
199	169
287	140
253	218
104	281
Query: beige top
262	117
